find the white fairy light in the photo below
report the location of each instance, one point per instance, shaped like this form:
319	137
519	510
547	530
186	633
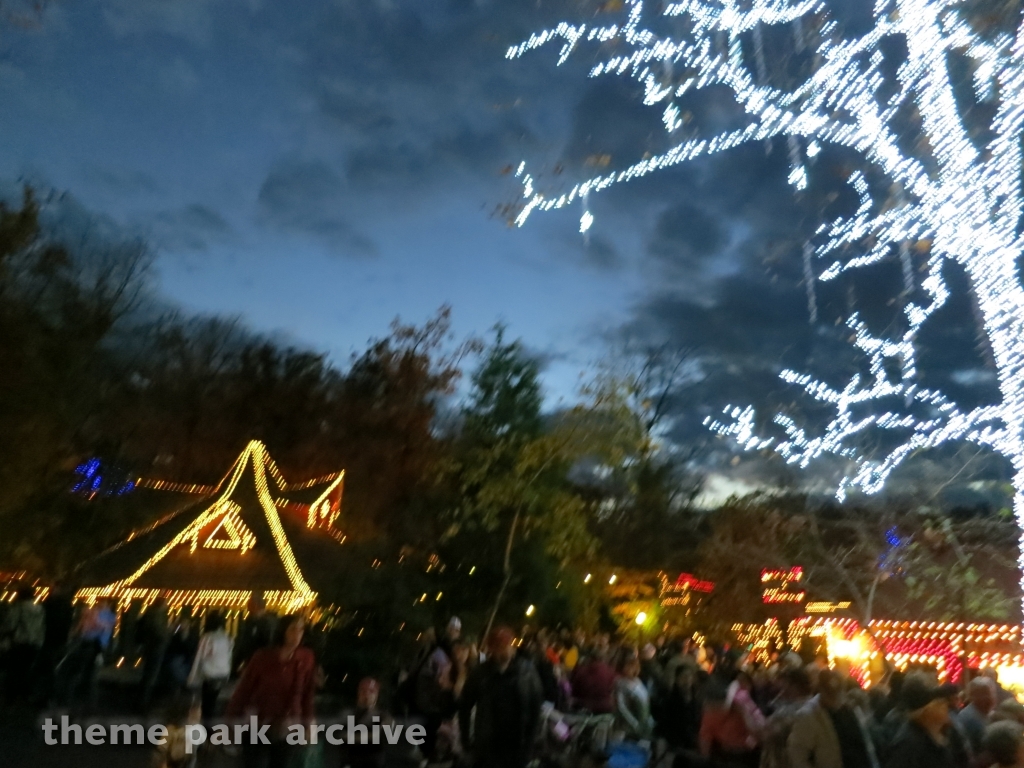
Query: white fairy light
586	220
964	206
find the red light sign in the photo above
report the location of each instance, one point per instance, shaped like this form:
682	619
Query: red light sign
785	578
689	581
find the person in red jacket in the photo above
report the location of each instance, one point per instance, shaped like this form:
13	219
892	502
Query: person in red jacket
277	687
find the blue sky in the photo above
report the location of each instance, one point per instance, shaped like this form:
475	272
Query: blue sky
298	165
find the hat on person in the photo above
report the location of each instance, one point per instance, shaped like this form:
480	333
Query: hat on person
455	624
918	692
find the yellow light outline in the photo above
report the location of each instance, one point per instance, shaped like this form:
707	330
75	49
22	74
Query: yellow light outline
301	594
316	513
239	536
256	452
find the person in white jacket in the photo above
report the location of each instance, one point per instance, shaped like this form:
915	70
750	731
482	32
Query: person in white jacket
212	664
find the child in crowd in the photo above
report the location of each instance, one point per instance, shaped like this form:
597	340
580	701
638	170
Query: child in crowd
184	711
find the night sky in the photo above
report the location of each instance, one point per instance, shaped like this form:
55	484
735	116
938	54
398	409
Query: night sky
321	167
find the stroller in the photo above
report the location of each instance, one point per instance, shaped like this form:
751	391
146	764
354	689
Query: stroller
574	740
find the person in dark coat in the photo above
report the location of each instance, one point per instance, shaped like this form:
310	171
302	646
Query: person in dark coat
506	692
256	631
359	754
22	634
154	635
923	741
60	617
678	717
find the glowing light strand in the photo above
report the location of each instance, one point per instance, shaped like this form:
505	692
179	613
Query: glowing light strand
224	511
965	205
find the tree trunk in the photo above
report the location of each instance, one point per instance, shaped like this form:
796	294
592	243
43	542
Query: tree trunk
997	289
507	575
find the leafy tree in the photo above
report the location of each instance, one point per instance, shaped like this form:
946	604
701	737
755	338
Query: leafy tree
644	518
58	315
891	560
510	471
505	402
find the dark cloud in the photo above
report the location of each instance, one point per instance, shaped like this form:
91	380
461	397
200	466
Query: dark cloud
612	127
420	95
190	20
414	162
355	110
685	235
308	197
123	180
191	228
601	253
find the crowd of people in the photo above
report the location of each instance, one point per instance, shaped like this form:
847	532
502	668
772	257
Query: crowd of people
686	706
558	697
53	650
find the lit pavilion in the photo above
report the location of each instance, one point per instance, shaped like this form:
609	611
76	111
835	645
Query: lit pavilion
252	533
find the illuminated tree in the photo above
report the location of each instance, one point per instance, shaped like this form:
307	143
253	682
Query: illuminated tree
939	173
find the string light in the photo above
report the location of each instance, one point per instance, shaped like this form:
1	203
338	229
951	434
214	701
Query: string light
167	485
228	531
821	606
238	536
942	645
962	206
782	593
93	481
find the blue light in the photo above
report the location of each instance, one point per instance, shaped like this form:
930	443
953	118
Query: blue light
95	482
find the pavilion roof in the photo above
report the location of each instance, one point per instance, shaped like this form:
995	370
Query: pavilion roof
253	532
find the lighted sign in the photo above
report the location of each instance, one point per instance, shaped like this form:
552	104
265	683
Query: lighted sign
777	582
685	587
689	581
826	607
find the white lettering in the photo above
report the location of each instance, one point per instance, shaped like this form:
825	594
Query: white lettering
195	734
66	730
258	734
353	729
48	728
127	731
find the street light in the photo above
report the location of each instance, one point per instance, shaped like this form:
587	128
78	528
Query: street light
641	618
529	611
613	579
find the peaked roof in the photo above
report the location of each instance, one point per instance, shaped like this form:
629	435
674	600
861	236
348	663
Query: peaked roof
223	543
